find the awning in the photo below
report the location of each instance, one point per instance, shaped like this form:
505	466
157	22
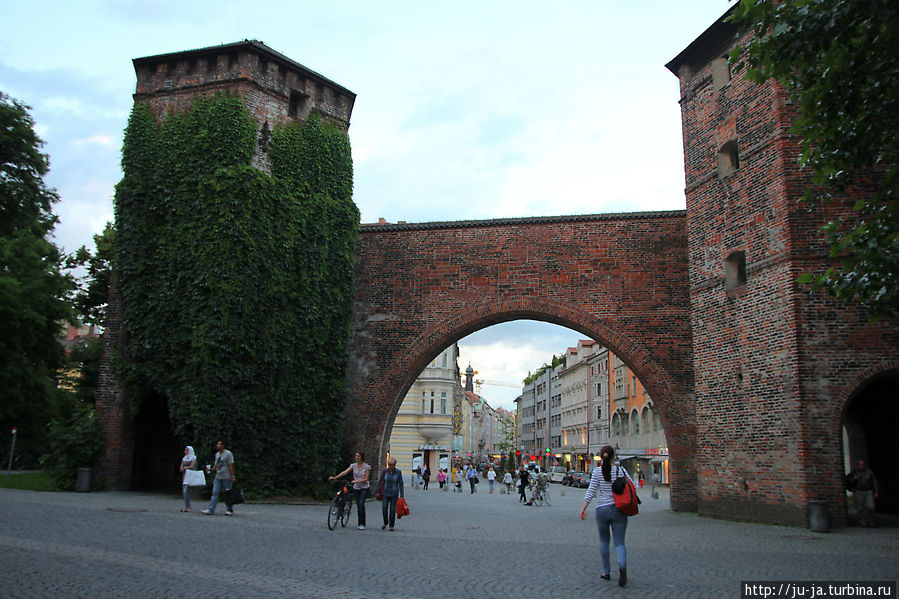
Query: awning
432	448
659	459
625	456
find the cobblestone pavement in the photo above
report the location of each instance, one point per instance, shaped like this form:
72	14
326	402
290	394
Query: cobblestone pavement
453	545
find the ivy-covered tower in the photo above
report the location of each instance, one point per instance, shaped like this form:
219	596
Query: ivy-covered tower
228	260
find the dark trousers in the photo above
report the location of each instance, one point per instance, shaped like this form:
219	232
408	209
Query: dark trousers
521	493
388	510
361	494
427	479
471	482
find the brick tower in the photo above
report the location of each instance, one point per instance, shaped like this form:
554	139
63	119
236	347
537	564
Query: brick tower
276	90
775	365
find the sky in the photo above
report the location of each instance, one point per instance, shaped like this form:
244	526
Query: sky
464	110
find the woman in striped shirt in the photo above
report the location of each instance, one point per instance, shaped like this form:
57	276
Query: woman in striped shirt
607	515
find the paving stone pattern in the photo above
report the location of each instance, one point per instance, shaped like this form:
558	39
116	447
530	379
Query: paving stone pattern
453	545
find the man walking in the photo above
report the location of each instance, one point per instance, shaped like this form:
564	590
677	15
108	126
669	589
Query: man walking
864	491
224	479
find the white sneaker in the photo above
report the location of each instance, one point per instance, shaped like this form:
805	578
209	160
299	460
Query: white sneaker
360	527
206	512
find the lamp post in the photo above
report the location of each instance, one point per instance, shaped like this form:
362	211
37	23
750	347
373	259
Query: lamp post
12	449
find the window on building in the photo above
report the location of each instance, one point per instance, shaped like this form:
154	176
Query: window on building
735	270
422	402
721	74
599	412
634	383
728	159
443	405
616	424
635	422
299	104
645	417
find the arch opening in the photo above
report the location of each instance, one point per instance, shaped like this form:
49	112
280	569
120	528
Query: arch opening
870	423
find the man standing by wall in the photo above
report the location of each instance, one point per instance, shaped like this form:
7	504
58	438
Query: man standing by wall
864	491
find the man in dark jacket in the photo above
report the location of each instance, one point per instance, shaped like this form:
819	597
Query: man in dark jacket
524	477
863	485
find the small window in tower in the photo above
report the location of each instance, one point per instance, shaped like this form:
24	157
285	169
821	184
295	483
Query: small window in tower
720	73
299	105
735	270
728	159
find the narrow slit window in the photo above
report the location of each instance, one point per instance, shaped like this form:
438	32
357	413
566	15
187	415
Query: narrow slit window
735	270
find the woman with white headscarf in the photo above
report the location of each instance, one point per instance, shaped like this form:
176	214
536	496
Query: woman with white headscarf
188	462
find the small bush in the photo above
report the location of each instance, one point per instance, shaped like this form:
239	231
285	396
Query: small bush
77	443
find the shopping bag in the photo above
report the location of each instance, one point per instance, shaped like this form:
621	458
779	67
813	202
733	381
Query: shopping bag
194	478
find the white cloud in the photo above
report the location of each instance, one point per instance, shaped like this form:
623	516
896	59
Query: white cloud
98	139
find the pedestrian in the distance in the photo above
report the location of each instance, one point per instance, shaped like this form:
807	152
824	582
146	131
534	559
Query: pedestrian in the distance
361	473
188	462
523	478
390	486
507	480
607	514
864	491
426	476
472	475
491	477
441	478
223	481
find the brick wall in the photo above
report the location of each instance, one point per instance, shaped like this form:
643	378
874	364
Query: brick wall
620	279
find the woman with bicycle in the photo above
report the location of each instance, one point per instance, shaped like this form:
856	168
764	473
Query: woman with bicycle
361	473
390	488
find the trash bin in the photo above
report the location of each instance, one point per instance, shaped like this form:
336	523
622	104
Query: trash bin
818	518
83	482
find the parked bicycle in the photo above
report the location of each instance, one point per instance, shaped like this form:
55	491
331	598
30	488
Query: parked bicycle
342	505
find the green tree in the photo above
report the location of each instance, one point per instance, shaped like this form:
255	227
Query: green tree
91	297
838	60
34	294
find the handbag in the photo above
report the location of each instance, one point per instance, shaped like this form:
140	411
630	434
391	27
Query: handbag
235	495
194	478
402	508
625	495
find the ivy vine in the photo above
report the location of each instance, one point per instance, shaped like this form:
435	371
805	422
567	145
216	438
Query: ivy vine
238	285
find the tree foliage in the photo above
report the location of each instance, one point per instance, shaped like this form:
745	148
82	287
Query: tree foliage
92	295
34	294
237	284
838	60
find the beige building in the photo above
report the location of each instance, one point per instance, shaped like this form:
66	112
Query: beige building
431	417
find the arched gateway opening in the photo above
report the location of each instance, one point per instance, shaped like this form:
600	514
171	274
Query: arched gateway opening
870	425
618	279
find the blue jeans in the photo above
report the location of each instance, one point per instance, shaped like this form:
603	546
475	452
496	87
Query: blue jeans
388	510
186	493
217	485
610	516
361	494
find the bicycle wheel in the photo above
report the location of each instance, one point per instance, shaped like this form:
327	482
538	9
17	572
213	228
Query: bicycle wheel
538	497
546	497
334	513
345	516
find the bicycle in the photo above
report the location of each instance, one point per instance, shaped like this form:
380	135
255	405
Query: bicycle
541	495
341	506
